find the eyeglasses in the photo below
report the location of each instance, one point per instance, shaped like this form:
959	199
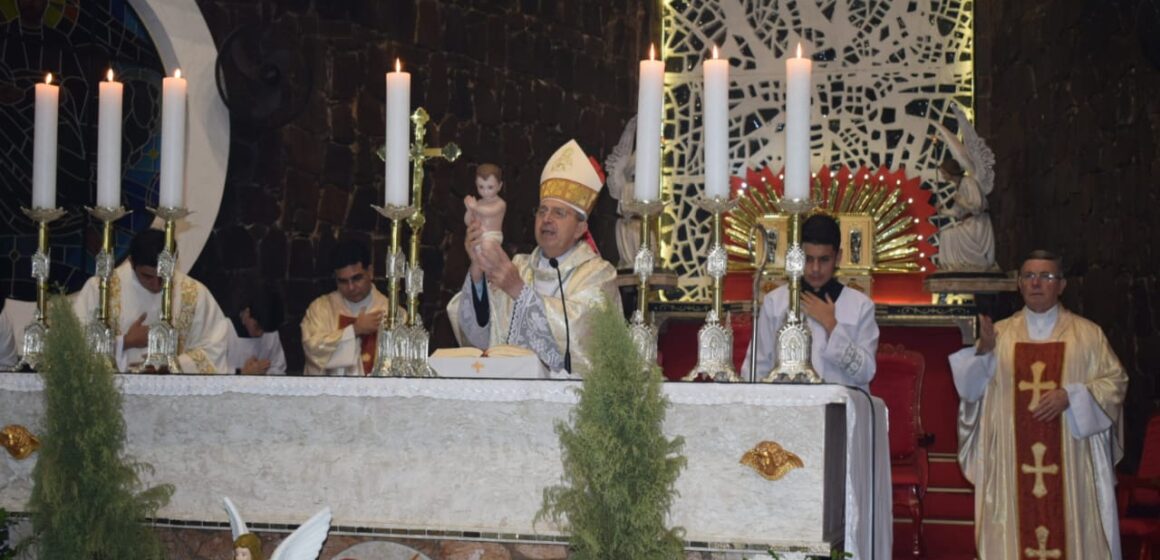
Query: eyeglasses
1044	276
557	212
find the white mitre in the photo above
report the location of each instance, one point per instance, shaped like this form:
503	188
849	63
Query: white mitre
571	177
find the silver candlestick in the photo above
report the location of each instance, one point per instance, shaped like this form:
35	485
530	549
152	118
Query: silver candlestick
715	339
162	346
794	341
643	332
391	346
35	333
100	333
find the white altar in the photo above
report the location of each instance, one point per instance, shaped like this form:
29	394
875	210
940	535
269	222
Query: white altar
474	455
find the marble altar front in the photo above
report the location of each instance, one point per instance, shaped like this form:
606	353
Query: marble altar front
472	457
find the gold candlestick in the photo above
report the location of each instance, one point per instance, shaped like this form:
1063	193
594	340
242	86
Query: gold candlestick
715	339
643	332
162	347
35	333
794	341
100	333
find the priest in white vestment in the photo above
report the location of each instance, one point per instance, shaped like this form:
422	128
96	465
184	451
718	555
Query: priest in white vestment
518	301
340	329
255	345
1039	427
135	305
841	320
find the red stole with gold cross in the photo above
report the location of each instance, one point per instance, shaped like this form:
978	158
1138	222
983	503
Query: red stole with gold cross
367	344
1039	452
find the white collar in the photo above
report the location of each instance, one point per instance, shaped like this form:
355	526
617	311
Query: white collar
1040	325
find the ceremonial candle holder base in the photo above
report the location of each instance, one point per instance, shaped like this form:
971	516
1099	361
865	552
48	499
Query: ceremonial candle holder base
641	329
100	333
715	339
161	356
794	341
395	347
32	349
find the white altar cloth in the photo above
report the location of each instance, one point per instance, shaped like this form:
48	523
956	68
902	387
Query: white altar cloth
470	455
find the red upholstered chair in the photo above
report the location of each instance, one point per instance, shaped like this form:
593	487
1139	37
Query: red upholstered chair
1139	496
898	383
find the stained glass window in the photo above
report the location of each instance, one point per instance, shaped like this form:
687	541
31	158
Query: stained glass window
76	41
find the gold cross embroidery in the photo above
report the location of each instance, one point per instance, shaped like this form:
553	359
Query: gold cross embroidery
1036	386
477	367
1042	552
1039	469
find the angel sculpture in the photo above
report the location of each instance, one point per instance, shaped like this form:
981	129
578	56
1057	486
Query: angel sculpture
303	544
968	243
621	168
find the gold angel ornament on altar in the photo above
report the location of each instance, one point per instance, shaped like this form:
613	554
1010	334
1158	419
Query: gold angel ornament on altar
303	544
967	243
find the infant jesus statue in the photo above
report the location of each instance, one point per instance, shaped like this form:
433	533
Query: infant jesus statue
489	208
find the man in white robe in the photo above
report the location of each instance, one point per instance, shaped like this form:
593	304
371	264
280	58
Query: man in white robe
135	305
1039	427
518	301
255	346
340	329
841	320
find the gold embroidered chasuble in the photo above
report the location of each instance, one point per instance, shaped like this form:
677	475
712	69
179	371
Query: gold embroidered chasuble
535	320
330	347
1042	489
202	328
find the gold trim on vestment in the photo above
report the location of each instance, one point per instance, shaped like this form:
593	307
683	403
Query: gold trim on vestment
188	307
569	191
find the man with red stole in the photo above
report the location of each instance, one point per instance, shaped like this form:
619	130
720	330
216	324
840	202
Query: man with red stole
1040	426
340	329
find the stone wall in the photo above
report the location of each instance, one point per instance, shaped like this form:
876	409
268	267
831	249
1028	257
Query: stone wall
1068	98
507	81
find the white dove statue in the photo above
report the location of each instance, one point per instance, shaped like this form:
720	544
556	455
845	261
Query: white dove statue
966	244
303	544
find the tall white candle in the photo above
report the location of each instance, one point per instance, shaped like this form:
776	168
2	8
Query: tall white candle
173	95
109	143
797	127
398	136
716	121
44	145
650	98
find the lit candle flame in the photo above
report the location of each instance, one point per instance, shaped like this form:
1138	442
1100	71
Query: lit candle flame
48	78
398	65
177	73
652	54
109	75
799	50
714	52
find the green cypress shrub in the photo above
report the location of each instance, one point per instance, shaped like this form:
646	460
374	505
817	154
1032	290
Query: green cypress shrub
619	468
86	500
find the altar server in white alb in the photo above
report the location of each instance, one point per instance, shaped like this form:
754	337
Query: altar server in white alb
340	330
1040	425
518	301
135	305
841	320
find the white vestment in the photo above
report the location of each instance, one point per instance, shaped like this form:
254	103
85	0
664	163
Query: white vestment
535	320
846	356
265	347
8	353
334	350
1095	383
202	329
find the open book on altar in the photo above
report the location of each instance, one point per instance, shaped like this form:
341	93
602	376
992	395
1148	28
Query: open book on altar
504	361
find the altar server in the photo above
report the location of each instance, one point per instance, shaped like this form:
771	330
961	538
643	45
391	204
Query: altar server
519	301
841	320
